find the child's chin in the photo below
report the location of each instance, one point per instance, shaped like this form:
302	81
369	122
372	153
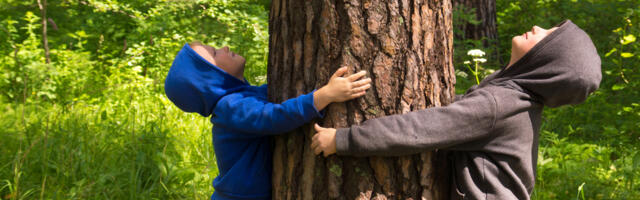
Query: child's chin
516	39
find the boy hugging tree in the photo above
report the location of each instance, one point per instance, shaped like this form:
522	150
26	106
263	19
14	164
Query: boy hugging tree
210	82
492	131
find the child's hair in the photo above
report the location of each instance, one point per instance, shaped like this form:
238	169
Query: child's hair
196	43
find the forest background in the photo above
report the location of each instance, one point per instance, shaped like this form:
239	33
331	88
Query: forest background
90	119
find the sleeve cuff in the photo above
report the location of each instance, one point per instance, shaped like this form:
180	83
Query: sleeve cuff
342	141
317	113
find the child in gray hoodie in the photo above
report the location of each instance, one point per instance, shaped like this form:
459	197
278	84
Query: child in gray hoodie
492	130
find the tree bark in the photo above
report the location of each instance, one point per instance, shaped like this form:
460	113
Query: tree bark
485	11
45	42
487	31
406	46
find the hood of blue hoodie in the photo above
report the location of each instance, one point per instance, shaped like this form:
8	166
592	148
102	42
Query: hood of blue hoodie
195	85
563	68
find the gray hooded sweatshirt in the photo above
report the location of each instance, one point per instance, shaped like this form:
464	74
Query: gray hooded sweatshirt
491	131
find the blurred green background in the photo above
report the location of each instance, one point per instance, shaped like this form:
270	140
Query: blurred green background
94	122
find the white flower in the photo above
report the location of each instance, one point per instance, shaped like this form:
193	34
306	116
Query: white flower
480	60
461	74
467	62
475	53
261	79
137	69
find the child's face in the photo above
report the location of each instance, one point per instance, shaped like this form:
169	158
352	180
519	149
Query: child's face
521	44
223	58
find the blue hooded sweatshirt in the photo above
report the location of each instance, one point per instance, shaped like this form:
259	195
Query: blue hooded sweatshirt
242	120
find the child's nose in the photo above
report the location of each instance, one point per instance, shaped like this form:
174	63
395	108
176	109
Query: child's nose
535	29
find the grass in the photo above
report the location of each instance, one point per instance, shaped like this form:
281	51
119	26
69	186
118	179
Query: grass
141	149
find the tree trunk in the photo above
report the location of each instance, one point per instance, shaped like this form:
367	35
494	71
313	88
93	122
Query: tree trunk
485	11
486	30
45	42
406	47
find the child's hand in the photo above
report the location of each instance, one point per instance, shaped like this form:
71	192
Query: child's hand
345	88
324	141
341	88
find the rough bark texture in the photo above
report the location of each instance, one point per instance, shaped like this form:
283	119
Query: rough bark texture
487	29
486	14
43	11
406	47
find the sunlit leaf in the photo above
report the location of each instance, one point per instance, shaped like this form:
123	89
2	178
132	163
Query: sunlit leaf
626	54
610	52
617	87
628	39
81	34
617	30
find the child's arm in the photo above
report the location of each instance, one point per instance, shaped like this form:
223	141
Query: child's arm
471	118
255	115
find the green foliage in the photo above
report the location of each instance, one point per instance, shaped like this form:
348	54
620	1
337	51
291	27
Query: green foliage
94	123
462	44
462	60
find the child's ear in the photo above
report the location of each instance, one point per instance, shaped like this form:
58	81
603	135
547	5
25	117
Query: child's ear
204	53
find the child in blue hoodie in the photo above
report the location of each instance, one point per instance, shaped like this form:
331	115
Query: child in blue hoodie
210	81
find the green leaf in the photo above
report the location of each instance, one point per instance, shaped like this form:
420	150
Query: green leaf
626	54
636	161
81	34
610	52
617	87
628	39
608	72
581	191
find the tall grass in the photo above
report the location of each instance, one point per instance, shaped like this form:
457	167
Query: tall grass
141	148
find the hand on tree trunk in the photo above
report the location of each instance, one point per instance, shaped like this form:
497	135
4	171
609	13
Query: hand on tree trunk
406	45
324	141
340	88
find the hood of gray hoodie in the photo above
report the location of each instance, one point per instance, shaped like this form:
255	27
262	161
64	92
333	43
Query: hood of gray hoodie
563	68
